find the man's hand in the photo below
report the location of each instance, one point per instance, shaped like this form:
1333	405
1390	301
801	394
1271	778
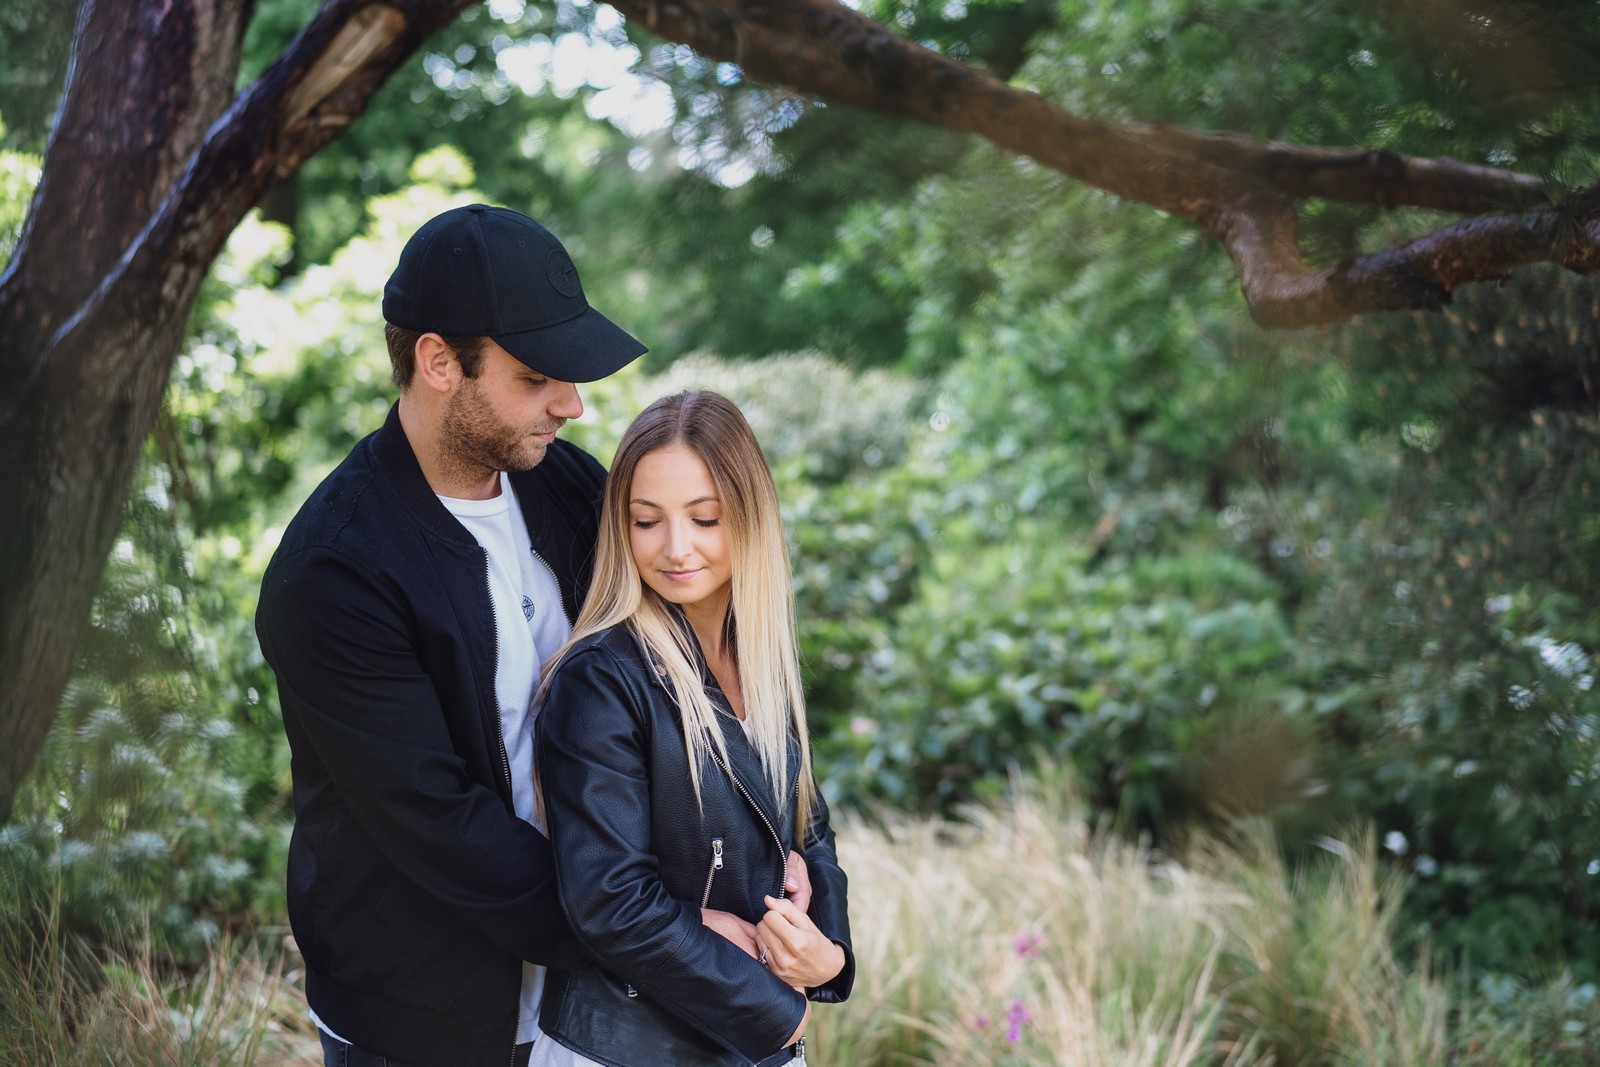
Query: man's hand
794	949
733	928
797	882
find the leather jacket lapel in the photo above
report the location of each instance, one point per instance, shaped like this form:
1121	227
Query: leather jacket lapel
743	763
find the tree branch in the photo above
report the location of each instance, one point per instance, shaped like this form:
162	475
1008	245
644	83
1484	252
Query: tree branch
1240	190
1354	175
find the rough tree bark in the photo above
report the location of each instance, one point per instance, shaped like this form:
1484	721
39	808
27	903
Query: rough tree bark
151	167
152	164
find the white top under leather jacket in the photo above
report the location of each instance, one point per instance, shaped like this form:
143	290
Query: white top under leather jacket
636	859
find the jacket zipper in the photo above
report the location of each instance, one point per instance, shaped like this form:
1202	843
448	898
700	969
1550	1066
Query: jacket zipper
782	894
494	673
561	597
784	877
505	767
716	865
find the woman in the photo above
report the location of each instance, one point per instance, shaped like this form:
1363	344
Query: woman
675	769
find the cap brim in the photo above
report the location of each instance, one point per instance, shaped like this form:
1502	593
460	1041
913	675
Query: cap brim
581	349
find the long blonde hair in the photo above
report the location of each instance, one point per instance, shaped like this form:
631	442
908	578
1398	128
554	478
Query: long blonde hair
761	612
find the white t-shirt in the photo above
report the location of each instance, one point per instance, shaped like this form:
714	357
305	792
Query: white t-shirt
531	624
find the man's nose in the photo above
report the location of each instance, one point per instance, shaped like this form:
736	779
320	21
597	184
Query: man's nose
566	404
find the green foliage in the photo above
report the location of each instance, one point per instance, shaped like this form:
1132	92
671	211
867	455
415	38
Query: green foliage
35	43
1020	646
1049	494
1459	629
530	142
19	174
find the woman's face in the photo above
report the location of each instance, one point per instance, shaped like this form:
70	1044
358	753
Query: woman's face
676	532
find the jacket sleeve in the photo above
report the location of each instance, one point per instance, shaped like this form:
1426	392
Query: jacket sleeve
828	902
594	769
358	702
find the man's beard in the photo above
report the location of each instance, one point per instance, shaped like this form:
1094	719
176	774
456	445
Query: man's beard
475	438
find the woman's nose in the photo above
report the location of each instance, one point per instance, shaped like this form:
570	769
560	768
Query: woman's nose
678	540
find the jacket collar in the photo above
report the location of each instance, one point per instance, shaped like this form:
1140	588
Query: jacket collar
398	465
743	762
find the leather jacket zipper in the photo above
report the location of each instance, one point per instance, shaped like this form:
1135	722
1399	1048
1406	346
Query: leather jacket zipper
800	1046
784	877
716	865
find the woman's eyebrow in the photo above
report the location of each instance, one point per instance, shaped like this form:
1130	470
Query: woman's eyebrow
690	504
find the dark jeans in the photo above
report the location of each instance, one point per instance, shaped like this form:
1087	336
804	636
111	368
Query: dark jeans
336	1053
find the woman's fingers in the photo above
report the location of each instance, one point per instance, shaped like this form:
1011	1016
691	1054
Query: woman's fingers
794	915
794	949
785	928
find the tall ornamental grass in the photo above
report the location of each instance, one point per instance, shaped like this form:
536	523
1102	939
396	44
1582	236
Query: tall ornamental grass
65	1005
1023	936
1019	937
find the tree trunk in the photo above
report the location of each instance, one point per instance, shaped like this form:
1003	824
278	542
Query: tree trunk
80	396
147	173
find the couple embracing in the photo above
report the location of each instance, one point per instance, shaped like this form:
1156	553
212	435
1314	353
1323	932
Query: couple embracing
554	803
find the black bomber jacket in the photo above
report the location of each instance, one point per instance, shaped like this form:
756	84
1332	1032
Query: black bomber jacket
414	891
637	858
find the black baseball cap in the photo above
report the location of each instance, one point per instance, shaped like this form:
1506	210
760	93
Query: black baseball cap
482	271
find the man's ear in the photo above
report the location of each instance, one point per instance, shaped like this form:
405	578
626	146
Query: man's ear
437	367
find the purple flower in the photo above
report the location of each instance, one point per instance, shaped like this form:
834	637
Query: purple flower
1016	1015
1027	944
981	1022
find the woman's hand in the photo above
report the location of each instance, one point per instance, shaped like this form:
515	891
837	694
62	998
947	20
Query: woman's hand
794	949
733	928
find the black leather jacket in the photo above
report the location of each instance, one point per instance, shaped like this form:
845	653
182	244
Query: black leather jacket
636	859
414	891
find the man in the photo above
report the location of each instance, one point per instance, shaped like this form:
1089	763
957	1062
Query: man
405	614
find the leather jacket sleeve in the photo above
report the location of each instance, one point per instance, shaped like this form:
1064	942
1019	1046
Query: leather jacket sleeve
828	902
594	770
352	686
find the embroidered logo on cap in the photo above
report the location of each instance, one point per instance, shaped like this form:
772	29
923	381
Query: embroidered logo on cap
563	275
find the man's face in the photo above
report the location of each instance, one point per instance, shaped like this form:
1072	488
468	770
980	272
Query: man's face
506	417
